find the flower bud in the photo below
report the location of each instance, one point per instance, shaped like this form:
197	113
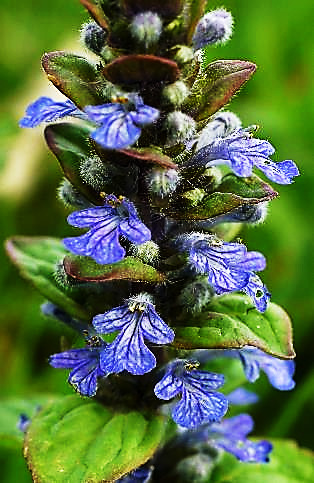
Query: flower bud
147	252
175	93
221	125
94	173
183	55
180	128
70	196
146	28
162	182
196	295
194	468
93	37
214	27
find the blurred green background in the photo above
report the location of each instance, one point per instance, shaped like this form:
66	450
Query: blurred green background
275	35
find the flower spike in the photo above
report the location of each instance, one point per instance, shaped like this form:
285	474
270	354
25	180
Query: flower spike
199	403
137	320
106	223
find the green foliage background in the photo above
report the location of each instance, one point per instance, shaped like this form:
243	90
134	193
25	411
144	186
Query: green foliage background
275	35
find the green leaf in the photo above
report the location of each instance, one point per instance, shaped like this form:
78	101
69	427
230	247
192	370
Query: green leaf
74	76
87	270
81	440
232	193
215	85
36	258
70	144
232	321
288	464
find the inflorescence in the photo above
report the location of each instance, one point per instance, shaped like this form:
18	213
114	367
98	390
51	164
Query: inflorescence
120	227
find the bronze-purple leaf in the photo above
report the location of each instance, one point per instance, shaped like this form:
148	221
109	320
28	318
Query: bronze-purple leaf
74	76
145	157
141	69
85	269
215	85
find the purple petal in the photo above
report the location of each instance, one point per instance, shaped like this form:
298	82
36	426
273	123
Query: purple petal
102	112
247	451
227	280
144	115
46	109
281	173
241	164
84	378
128	352
133	229
114	319
203	381
89	217
241	397
117	132
100	243
70	359
258	292
154	328
195	409
253	261
238	426
169	386
278	371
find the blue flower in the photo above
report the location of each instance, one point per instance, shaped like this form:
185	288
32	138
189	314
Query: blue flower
229	266
85	365
231	435
116	217
278	371
242	152
45	109
242	397
23	423
137	320
199	403
121	122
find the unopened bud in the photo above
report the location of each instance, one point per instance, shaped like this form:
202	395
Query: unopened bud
196	295
162	182
70	196
180	128
93	37
94	173
221	125
194	468
183	55
214	27
147	252
175	94
146	28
